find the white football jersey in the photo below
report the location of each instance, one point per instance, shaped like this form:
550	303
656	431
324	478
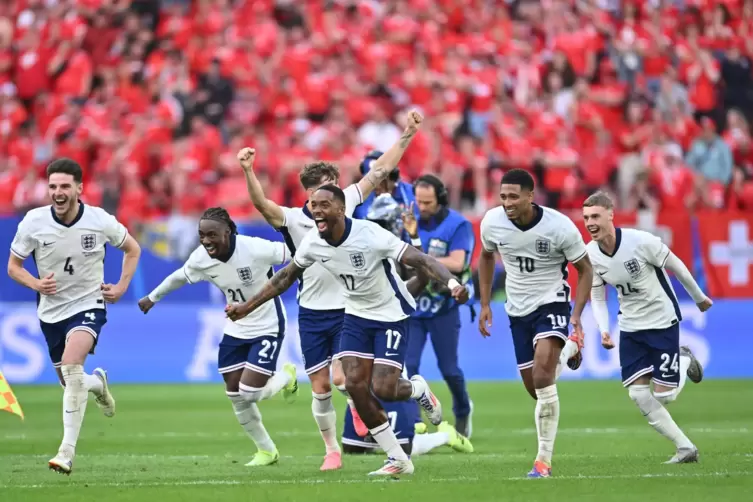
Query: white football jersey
364	264
240	278
535	257
75	253
317	289
636	270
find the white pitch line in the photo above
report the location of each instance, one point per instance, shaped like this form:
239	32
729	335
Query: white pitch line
458	479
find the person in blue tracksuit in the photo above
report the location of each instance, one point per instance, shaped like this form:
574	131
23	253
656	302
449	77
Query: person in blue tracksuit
448	236
401	191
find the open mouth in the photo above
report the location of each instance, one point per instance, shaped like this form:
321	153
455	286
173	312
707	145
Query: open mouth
321	224
592	230
60	202
211	249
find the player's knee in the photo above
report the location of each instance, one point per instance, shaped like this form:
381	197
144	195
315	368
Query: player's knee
320	382
642	397
356	387
544	377
251	394
666	397
386	390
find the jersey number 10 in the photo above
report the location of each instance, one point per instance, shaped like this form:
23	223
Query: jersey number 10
525	264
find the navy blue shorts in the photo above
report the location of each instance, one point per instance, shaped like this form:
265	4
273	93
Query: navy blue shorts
257	354
384	342
56	333
651	351
402	415
320	337
550	320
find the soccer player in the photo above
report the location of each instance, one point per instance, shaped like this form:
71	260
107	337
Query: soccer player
634	262
67	242
320	295
446	235
362	255
240	266
536	243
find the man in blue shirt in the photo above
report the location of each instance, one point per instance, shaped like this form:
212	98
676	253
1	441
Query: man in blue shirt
448	236
401	191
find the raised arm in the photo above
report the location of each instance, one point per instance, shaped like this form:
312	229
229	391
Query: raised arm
428	267
385	164
271	211
278	284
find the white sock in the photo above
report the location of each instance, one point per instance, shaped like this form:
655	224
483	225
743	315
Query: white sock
250	419
568	351
547	417
93	384
75	397
274	385
418	388
558	371
424	443
387	441
684	365
657	415
326	419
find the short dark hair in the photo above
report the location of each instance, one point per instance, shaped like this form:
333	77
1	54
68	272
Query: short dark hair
312	173
336	192
66	166
220	214
519	177
599	199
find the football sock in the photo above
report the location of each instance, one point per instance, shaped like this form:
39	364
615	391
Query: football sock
547	417
326	419
657	415
93	384
274	385
249	417
669	396
387	441
424	443
418	388
75	397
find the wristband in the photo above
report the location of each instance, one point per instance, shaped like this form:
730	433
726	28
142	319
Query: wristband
453	283
415	241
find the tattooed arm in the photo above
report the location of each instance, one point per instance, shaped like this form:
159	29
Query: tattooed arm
430	268
278	284
385	164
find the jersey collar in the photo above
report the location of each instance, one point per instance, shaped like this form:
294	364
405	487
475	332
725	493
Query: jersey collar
617	241
75	220
306	211
346	233
230	250
538	214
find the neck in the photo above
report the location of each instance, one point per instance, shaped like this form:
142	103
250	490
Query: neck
526	217
609	241
338	231
71	214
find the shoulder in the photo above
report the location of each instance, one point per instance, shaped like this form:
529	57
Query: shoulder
635	235
36	217
97	215
593	249
559	224
198	258
552	215
495	217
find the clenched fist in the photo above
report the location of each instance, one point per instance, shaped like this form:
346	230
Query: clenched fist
414	120
246	158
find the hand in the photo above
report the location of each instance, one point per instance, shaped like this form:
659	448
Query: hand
705	305
112	292
460	294
235	312
145	304
409	221
577	326
47	286
246	157
485	321
414	121
606	341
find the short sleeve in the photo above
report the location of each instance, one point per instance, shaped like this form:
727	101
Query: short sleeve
353	199
386	243
23	243
114	231
287	215
191	269
463	239
275	253
304	257
486	239
573	246
654	250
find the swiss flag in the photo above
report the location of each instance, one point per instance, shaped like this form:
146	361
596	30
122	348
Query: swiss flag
727	244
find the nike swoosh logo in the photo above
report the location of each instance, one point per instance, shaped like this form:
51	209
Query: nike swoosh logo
72	411
390	354
213	276
45	244
325	261
86	323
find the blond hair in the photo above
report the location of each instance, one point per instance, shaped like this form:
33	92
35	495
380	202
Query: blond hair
599	199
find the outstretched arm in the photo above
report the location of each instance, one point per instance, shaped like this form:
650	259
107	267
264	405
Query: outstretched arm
677	267
278	284
172	282
385	164
271	211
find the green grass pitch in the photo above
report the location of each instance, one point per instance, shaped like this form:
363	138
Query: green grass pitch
182	443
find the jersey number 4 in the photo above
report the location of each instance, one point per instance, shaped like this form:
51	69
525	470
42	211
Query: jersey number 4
68	267
525	264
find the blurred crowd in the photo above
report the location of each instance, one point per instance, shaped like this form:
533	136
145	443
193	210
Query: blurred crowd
651	100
